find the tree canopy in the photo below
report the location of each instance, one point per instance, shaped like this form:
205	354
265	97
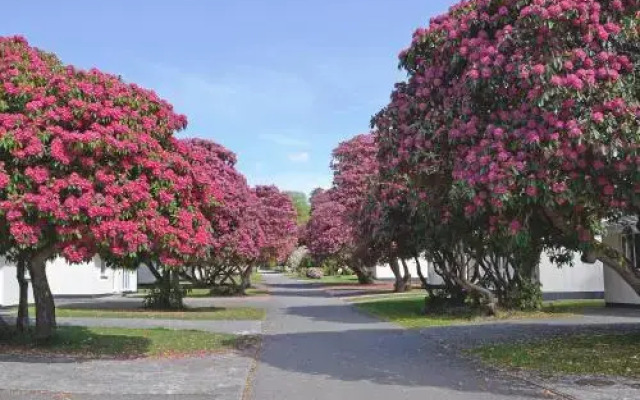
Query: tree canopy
301	205
90	165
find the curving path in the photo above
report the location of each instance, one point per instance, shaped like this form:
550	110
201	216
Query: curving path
318	347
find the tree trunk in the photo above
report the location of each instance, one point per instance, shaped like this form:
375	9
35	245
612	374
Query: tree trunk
154	272
364	274
22	322
176	289
407	275
491	302
423	280
400	284
245	276
45	306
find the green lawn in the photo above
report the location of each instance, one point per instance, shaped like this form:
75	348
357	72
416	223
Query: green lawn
333	279
414	294
120	343
200	313
256	277
582	354
408	310
571	306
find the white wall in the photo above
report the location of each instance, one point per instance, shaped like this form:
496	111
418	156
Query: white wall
92	278
79	279
581	277
86	279
384	271
556	282
617	290
144	275
9	286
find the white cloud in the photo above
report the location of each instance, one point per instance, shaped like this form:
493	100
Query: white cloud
299	157
284	140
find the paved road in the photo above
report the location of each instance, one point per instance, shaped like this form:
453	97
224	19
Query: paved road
220	376
317	347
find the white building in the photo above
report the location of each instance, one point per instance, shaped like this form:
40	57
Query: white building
72	280
625	237
582	281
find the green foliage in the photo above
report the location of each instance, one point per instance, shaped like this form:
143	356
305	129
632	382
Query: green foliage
164	298
527	296
413	311
331	267
301	204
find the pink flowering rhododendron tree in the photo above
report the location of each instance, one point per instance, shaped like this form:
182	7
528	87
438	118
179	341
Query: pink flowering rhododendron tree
277	217
355	169
328	234
89	165
523	116
238	238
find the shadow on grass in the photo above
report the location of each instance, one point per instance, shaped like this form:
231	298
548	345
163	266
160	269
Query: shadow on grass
110	308
200	293
71	344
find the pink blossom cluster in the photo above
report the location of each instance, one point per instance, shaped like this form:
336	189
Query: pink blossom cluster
238	234
277	217
354	167
328	232
90	165
532	103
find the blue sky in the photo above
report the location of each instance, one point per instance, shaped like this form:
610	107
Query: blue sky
280	82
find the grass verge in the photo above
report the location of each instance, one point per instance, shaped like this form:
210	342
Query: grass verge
119	343
408	310
199	313
614	354
332	279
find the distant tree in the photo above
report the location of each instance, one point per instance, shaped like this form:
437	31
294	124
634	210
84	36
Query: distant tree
277	218
238	237
302	206
329	234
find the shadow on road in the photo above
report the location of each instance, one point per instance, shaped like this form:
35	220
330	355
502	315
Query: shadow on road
387	357
408	358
